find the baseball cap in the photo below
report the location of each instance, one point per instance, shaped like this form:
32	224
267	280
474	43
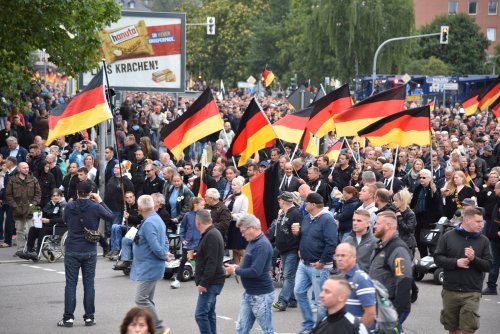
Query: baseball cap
157	163
468	202
488	148
264	163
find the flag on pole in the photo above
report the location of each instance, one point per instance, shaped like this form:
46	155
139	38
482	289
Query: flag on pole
321	121
470	105
489	95
222	91
495	108
291	127
432	105
308	143
334	151
371	109
404	128
200	120
268	77
253	134
83	111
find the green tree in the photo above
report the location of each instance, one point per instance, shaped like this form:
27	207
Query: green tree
67	30
224	55
465	52
352	31
430	66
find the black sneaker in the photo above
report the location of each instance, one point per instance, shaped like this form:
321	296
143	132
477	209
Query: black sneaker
90	322
21	254
490	292
292	304
65	323
414	294
279	307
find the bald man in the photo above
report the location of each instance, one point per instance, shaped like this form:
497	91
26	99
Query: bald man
333	296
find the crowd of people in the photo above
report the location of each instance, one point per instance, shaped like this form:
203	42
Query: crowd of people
362	216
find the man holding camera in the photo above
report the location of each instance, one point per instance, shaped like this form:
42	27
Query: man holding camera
79	215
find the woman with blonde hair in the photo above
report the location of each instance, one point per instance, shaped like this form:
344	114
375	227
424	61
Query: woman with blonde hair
412	179
455	192
238	205
407	221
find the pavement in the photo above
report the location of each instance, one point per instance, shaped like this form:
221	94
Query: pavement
32	300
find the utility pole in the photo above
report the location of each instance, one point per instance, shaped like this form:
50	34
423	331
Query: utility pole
374	75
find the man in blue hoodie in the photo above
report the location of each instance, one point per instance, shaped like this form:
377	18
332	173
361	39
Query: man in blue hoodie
318	239
83	213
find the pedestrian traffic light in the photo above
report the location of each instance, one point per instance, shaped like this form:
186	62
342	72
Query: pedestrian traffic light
210	25
443	38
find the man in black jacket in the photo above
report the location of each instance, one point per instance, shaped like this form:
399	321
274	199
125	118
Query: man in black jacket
288	247
334	295
493	234
209	277
465	255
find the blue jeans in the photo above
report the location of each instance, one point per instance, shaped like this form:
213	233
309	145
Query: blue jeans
401	318
306	277
205	309
72	264
290	262
116	235
118	220
154	137
126	254
256	307
495	266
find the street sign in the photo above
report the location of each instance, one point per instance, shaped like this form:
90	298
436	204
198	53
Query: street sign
437	80
210	25
251	80
406	78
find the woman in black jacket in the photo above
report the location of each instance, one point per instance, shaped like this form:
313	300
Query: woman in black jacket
51	215
46	180
177	197
407	221
344	216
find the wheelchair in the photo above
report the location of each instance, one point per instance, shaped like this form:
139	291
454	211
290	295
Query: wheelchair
53	245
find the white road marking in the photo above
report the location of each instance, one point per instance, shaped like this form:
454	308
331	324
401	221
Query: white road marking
48	269
224	318
61	272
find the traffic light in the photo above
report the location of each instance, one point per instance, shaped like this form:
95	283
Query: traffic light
443	38
210	25
293	82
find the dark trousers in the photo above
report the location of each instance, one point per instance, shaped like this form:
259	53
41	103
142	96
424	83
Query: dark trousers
37	234
10	226
495	266
182	263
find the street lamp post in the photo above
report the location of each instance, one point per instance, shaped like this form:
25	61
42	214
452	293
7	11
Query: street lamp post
374	75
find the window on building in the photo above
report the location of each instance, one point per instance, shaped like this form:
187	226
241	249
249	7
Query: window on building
492	7
472	7
491	34
131	4
452	7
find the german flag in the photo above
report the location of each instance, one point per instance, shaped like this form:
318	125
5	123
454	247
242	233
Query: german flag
291	127
321	121
203	183
83	111
200	120
490	95
470	105
334	151
432	105
404	128
253	134
262	192
308	143
495	108
364	113
267	77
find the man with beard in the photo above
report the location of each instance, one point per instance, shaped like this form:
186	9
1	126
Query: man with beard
391	264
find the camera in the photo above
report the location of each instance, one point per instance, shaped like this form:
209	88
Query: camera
136	239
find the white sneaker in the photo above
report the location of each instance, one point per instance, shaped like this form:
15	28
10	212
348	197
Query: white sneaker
175	284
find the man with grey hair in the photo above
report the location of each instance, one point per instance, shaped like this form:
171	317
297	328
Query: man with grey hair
427	205
221	215
150	252
15	150
368	177
391	182
254	272
209	277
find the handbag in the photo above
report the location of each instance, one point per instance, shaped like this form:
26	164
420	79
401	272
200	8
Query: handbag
91	236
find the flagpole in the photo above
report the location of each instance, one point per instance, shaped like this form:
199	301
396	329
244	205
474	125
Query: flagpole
357	139
103	135
394	169
347	142
338	156
227	139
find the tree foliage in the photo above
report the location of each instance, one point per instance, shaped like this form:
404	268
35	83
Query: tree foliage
66	29
465	52
430	66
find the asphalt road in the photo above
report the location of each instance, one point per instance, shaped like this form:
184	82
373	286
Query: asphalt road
32	301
